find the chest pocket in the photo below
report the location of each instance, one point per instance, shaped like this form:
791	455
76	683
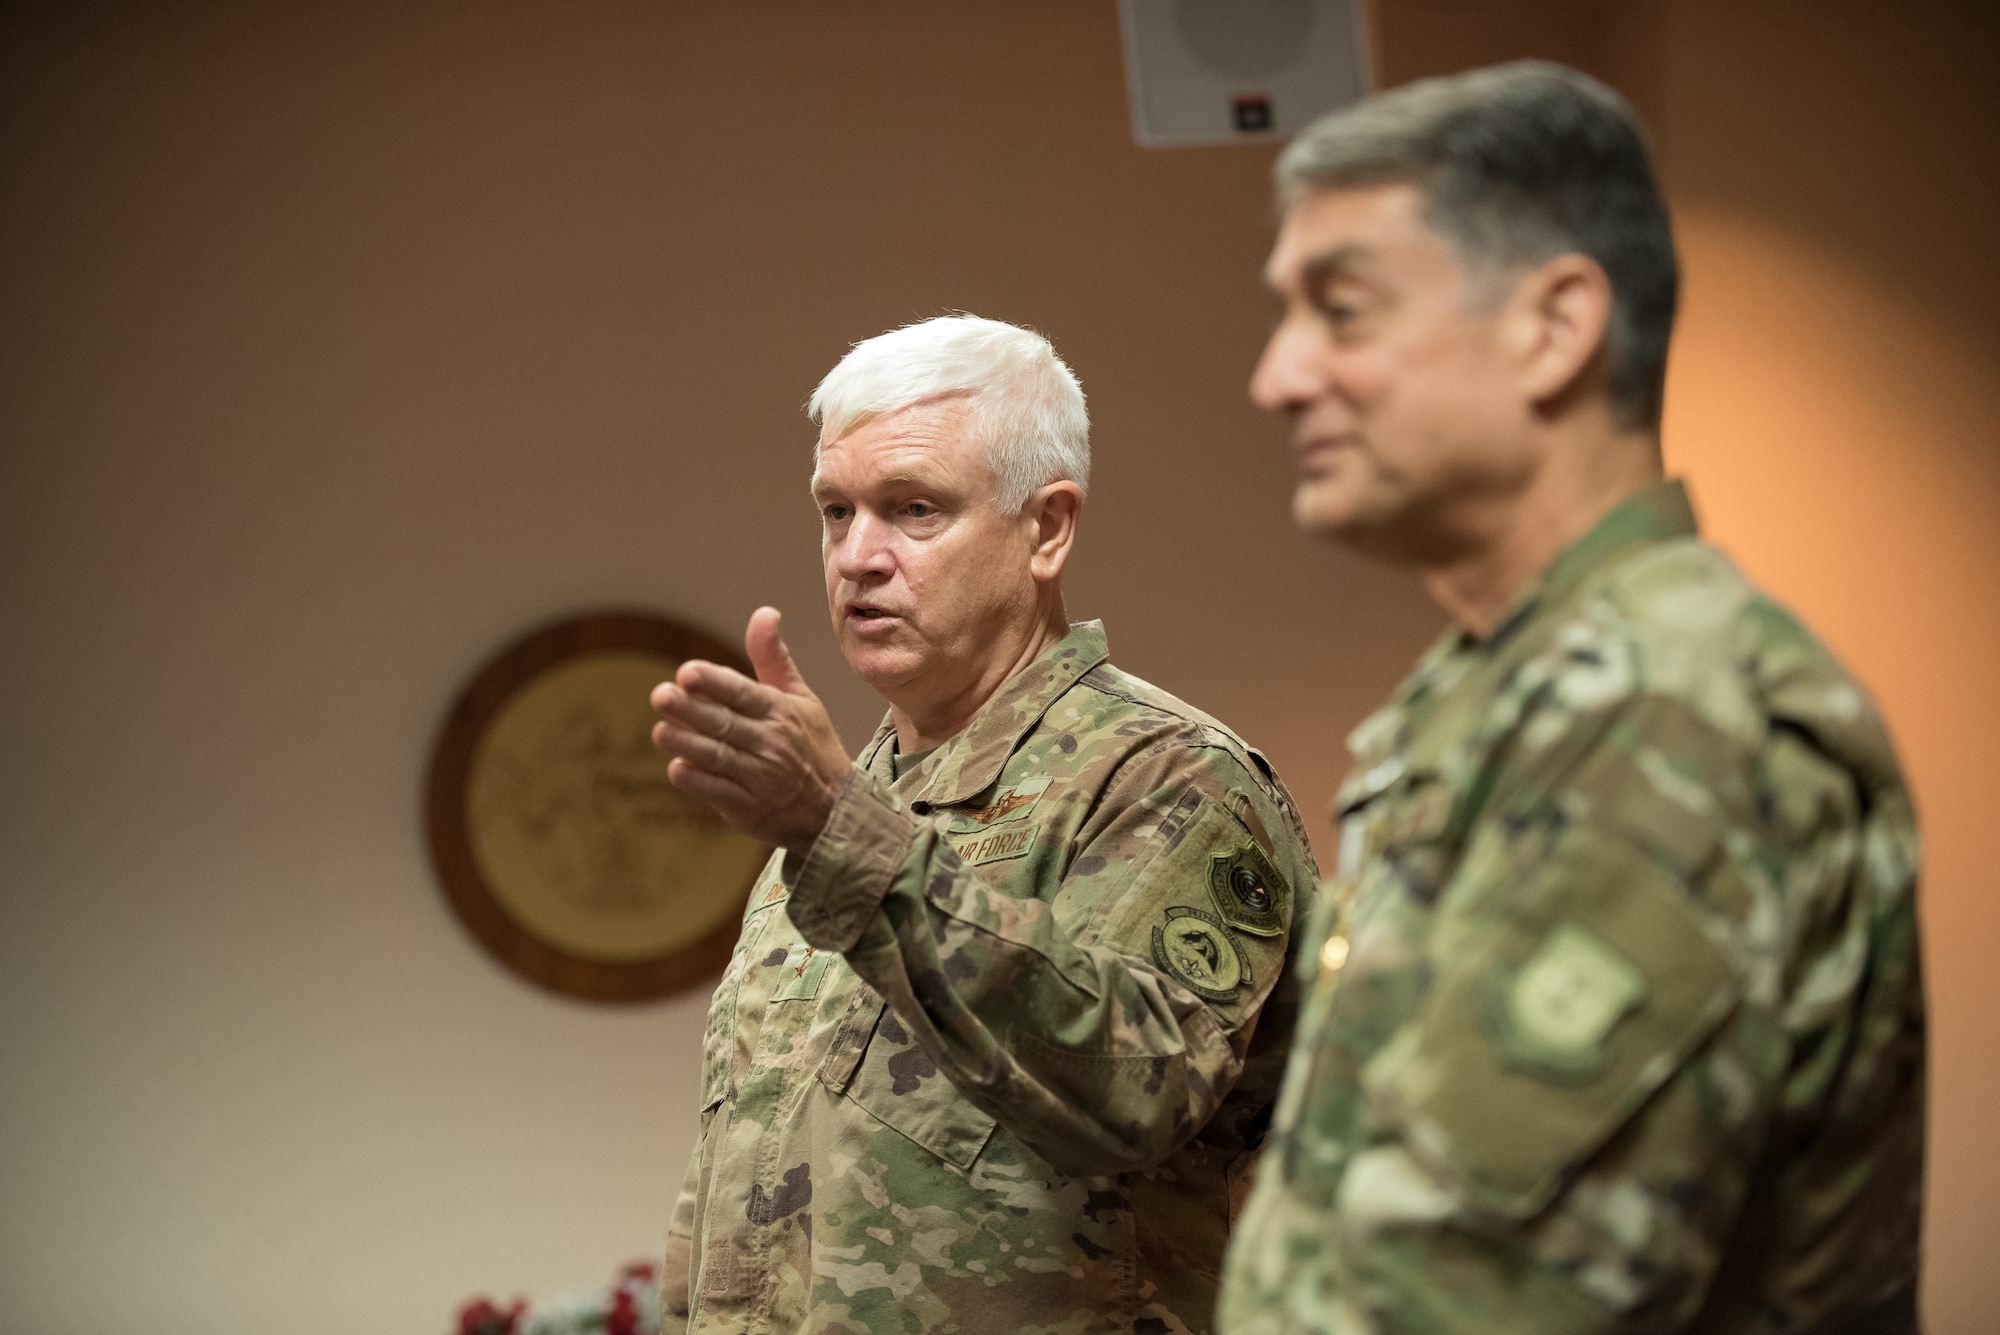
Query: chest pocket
898	1084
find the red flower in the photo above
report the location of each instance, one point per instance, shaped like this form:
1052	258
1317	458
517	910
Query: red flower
481	1317
639	1272
623	1318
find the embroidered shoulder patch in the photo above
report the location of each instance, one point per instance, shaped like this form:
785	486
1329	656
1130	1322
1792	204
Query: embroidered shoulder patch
1248	891
1560	1006
1196	948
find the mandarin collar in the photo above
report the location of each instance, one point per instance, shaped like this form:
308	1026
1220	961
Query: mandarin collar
1656	514
964	766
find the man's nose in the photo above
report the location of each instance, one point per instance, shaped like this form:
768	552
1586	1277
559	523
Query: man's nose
863	550
1286	378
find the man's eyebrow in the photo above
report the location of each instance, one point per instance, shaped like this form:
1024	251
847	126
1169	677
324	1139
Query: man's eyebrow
915	477
1324	267
903	477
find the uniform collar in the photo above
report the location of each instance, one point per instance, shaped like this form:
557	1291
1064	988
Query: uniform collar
1656	514
968	764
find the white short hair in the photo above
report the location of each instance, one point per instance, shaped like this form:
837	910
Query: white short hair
1026	405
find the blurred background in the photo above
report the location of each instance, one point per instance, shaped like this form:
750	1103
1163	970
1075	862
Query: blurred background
341	343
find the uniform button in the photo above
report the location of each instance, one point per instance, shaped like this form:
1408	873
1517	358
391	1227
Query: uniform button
1333	954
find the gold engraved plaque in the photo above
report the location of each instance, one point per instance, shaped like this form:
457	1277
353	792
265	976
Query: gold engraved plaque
559	841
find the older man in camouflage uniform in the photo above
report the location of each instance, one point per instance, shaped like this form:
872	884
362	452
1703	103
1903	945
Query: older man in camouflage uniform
1614	1019
988	1055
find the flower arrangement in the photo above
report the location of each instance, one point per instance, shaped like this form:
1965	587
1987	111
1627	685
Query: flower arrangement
629	1305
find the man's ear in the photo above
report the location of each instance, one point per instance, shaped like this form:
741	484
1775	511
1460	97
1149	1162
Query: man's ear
1558	318
1052	514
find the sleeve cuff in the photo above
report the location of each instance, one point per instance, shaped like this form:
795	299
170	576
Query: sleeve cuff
849	868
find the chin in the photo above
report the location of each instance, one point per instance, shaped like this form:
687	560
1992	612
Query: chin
1324	508
883	666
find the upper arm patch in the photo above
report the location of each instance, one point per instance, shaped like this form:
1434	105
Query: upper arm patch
1249	893
1208	909
1196	948
1556	1010
1588	993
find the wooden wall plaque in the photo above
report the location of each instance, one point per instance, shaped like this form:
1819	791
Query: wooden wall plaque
553	830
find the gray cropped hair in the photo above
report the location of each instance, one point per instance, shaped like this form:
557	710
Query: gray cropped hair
1517	164
1026	404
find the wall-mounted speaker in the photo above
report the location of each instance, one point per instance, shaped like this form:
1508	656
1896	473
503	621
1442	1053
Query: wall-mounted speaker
1231	71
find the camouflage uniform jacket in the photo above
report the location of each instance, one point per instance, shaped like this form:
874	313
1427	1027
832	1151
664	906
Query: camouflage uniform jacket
988	1058
1613	1015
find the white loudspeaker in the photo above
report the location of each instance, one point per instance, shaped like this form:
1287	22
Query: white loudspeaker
1229	71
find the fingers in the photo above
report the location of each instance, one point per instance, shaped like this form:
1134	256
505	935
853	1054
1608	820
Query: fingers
720	793
762	752
701	714
681	742
769	655
727	687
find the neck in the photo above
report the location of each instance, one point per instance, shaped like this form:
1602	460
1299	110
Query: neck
926	723
1583	481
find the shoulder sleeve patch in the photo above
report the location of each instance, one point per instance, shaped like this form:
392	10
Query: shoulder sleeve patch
1556	1010
1555	1024
1196	948
1207	908
1248	891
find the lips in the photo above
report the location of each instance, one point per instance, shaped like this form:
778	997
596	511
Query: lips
1315	451
868	614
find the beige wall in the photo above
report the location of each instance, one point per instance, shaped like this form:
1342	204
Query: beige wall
339	349
336	348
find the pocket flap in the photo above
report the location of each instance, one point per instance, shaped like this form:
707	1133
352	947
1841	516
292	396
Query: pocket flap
1545	1037
843	1053
899	1085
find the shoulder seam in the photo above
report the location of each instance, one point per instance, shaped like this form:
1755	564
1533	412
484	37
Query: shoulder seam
1171	705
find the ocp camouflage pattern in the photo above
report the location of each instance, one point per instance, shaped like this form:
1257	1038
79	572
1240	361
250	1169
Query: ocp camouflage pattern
955	1077
1629	1033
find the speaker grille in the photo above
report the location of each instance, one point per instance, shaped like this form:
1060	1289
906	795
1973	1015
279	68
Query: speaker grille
1244	39
1234	71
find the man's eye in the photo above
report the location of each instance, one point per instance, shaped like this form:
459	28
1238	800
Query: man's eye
920	509
836	513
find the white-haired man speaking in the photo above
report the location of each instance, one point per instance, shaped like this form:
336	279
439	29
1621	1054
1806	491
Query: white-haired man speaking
988	1055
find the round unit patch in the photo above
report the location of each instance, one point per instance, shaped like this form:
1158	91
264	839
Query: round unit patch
1196	948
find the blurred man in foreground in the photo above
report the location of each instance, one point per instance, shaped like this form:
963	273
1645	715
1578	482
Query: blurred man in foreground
1615	1018
988	1055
